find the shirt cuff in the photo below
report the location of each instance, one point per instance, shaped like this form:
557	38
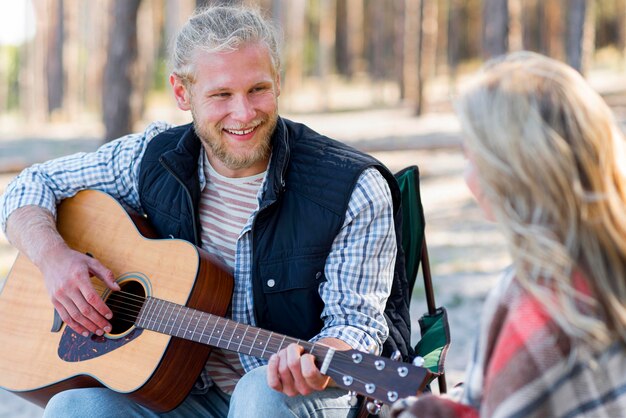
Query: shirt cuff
353	336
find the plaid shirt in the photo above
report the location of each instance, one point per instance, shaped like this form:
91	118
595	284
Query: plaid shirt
524	366
359	268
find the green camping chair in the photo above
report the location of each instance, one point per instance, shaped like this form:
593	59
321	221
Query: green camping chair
434	329
435	332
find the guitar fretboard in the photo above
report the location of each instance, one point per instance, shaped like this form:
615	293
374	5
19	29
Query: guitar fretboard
180	321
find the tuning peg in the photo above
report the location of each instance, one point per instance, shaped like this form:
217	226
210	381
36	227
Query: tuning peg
418	361
374	407
353	399
396	355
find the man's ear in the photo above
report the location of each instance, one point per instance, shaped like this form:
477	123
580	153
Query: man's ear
278	84
181	93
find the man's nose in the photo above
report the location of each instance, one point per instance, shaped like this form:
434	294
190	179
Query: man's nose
242	109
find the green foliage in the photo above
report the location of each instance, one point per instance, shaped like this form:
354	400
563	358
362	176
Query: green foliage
12	56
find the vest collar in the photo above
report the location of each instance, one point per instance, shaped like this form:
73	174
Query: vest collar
184	158
276	175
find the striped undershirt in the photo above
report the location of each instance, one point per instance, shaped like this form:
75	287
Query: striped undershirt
225	206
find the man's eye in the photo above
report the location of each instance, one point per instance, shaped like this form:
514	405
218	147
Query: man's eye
220	95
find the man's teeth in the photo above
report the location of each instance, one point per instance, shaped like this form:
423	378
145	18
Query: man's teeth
240	132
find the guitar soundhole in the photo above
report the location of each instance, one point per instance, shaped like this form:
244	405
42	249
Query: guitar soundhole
125	305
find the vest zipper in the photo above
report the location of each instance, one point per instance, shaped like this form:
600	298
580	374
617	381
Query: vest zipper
189	199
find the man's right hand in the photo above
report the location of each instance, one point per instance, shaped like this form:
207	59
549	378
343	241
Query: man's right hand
67	275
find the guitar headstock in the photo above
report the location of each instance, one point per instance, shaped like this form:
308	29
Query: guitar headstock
377	377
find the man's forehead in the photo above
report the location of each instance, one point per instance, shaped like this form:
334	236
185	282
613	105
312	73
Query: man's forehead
251	64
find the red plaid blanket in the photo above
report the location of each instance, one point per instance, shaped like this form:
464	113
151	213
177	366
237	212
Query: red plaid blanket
524	366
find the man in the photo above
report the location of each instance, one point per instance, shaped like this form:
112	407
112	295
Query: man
305	223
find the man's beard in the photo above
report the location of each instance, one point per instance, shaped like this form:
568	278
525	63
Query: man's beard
214	144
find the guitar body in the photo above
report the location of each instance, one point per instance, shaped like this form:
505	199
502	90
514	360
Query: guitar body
39	358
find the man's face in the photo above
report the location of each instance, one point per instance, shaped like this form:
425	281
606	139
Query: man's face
234	102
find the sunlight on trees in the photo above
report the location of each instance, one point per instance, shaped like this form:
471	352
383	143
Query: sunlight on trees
63	60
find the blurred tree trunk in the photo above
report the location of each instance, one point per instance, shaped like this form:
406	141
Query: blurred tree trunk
342	48
454	41
554	28
427	50
326	44
532	18
576	13
515	41
120	70
96	52
295	32
73	59
589	36
32	76
621	27
150	25
412	42
442	37
495	27
54	69
376	19
399	17
356	34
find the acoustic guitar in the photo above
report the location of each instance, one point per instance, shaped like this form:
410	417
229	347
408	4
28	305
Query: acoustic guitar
167	316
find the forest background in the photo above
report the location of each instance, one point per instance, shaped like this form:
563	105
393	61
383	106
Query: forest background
381	74
105	62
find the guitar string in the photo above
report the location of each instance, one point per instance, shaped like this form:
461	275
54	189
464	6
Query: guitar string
130	315
339	366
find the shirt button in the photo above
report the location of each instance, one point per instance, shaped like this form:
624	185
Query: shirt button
271	283
318	275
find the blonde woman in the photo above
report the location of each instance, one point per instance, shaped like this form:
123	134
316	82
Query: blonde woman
546	161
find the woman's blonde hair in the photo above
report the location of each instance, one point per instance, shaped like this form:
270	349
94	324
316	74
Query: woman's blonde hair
550	160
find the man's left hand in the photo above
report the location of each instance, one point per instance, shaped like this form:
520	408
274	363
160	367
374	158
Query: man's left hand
293	372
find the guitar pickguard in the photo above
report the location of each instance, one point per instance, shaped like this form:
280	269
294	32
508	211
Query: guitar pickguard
74	347
125	305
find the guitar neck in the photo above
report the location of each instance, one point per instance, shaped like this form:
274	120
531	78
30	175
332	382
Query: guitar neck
183	322
364	373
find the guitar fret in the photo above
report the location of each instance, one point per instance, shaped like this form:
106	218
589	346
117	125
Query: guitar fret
197	317
237	335
143	313
188	322
258	342
213	330
243	337
254	341
186	333
269	337
158	314
231	336
169	320
164	315
206	322
173	331
220	337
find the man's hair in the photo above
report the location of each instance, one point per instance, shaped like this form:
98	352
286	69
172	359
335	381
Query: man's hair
219	29
551	162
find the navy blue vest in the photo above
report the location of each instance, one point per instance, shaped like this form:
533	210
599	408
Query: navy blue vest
308	189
